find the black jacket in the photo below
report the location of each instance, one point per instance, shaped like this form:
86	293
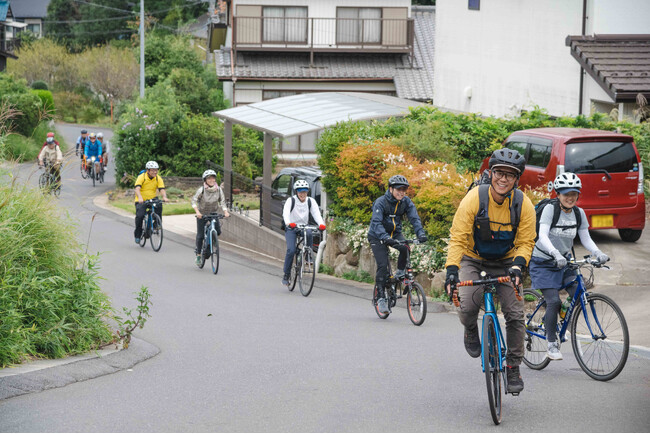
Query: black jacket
387	214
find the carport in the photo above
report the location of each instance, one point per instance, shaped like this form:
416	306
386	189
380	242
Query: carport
295	115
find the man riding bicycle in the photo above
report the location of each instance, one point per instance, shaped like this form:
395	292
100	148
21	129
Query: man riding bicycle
51	153
208	199
147	185
297	211
93	148
386	230
81	143
494	231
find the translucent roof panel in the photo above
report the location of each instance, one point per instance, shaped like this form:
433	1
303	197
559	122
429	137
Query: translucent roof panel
305	113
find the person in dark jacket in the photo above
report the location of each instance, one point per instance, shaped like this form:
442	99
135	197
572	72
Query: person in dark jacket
386	230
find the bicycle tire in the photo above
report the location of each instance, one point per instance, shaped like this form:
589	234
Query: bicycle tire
56	190
293	278
601	359
214	254
416	303
534	346
374	302
43	181
156	235
492	368
84	171
202	253
92	172
101	176
307	275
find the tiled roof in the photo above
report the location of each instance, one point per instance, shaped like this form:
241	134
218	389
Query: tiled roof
411	81
29	8
620	64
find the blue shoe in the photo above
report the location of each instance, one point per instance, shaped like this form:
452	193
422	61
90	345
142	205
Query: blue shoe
137	240
285	280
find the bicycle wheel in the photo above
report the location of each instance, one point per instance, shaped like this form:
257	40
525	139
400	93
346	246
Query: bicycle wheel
307	275
214	258
84	171
295	267
56	186
492	368
204	252
92	173
374	302
101	176
535	346
416	303
601	357
43	181
156	235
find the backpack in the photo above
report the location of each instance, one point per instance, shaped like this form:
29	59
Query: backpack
293	205
556	215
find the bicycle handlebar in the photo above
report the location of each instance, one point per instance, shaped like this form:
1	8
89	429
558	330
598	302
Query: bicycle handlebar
213	216
482	282
307	227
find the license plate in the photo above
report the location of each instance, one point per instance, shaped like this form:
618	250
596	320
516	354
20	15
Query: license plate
602	221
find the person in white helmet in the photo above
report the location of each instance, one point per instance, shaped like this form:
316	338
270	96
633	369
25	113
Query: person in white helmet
147	185
104	145
560	221
298	210
208	199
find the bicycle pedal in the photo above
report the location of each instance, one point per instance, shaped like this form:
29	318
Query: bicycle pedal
515	393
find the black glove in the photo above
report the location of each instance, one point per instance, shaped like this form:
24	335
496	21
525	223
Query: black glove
390	242
423	238
515	272
452	279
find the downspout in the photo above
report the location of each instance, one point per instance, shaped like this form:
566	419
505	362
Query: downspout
582	71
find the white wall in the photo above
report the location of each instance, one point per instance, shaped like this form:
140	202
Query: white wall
618	16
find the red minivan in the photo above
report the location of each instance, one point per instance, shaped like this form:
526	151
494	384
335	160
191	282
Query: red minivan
607	163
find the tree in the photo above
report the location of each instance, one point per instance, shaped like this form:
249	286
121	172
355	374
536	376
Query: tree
111	72
46	60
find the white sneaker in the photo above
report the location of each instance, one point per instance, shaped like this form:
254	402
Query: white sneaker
553	351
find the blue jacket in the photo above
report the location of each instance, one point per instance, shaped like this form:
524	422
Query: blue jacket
93	149
387	214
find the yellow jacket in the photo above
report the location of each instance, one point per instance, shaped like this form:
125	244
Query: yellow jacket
462	229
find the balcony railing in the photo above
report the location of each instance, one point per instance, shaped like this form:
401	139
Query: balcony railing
322	34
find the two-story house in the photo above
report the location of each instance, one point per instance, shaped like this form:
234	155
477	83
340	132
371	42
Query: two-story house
266	49
32	13
500	57
7	29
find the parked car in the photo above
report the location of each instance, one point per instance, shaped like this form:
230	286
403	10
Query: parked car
607	163
282	189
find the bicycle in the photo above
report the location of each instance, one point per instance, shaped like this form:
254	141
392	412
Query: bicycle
152	225
493	344
416	301
303	270
92	173
85	169
599	335
210	248
47	182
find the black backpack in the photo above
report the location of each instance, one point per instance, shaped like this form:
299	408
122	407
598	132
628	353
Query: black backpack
556	215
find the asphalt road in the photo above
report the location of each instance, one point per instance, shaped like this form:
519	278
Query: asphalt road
238	352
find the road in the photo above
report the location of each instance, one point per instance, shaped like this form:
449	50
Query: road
241	353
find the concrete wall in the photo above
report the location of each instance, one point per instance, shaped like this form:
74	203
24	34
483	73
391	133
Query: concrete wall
247	233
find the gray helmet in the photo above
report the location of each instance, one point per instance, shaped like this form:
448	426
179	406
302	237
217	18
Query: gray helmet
151	165
209	172
506	157
567	182
398	181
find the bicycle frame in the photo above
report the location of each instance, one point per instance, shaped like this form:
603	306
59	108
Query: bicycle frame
207	230
490	311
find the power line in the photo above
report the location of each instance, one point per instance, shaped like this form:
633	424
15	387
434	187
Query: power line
88	21
121	10
101	6
92	33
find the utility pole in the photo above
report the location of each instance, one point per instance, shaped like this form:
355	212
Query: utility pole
141	48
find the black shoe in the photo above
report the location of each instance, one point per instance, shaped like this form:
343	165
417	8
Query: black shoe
515	383
472	342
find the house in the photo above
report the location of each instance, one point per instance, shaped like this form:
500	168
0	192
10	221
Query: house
266	49
32	13
501	57
7	26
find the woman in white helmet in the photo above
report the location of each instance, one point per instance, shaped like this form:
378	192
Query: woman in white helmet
561	220
208	199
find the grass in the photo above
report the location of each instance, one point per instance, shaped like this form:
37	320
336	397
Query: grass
168	208
359	276
21	148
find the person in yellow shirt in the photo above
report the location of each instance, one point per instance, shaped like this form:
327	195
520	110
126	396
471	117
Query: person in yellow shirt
494	231
147	185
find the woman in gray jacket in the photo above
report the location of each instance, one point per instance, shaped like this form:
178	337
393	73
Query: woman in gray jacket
208	199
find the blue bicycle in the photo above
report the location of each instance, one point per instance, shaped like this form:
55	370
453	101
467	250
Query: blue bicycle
493	344
598	329
210	247
152	225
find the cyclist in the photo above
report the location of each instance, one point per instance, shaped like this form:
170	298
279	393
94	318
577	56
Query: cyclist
147	185
297	211
81	143
208	199
502	244
104	144
548	270
386	230
51	153
93	148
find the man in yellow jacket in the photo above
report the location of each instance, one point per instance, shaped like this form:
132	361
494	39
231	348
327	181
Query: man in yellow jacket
494	231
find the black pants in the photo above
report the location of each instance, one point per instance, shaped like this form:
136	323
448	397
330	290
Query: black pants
140	210
380	250
200	232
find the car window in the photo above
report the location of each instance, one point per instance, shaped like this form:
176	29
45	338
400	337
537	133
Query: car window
609	156
281	184
518	144
539	155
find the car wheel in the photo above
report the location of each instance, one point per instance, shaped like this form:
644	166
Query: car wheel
630	235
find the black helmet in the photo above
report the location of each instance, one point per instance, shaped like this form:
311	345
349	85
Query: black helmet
398	181
84	132
508	158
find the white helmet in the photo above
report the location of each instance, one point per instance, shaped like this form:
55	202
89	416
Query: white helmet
299	184
50	140
209	172
100	135
567	182
151	165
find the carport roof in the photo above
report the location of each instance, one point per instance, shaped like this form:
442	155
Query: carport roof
306	113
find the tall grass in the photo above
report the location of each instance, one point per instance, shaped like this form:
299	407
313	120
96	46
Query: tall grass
50	302
21	148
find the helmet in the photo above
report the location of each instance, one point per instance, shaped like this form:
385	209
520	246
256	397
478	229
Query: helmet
151	165
567	182
50	134
508	158
398	181
91	135
209	172
84	132
50	140
100	135
300	185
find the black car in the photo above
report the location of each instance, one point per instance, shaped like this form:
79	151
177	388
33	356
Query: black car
282	189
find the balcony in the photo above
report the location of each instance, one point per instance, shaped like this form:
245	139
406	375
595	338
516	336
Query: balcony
334	35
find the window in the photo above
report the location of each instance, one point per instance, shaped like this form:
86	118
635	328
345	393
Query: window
358	25
598	156
539	155
34	28
282	184
519	144
285	24
474	5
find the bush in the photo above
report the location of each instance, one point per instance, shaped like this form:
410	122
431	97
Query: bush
39	85
47	100
164	53
17	94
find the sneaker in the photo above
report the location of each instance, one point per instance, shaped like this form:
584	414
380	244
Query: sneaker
198	260
553	351
472	342
137	240
382	306
400	274
515	383
285	280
